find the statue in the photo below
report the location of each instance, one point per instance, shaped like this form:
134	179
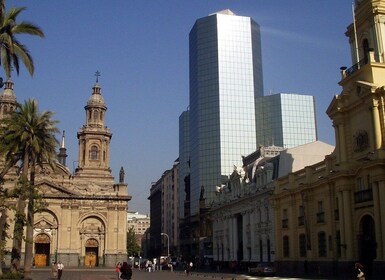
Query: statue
121	175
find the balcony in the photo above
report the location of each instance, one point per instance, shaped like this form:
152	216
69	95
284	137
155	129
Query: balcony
363	196
336	215
285	223
320	217
301	220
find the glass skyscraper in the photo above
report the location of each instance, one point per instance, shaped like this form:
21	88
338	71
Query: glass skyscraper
225	79
286	120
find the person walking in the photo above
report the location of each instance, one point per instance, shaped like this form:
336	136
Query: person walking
54	270
359	268
126	271
117	269
60	268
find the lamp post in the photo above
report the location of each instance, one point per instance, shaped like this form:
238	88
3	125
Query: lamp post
168	244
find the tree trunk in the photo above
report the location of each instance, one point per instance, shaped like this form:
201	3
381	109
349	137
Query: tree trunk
20	215
30	223
3	229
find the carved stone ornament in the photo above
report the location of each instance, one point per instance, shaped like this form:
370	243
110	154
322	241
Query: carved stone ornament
361	141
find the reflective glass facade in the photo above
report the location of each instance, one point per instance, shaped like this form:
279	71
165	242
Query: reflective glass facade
286	120
225	79
184	157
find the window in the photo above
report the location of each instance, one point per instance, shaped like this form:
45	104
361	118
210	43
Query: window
302	245
321	213
285	220
322	244
286	252
301	216
94	153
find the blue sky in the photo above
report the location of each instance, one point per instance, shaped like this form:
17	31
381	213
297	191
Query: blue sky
141	49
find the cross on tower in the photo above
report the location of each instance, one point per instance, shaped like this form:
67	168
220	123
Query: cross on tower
97	74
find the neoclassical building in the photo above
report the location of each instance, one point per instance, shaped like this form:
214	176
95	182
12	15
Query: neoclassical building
243	215
83	215
332	214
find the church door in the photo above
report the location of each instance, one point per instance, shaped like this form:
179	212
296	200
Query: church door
42	249
92	248
367	243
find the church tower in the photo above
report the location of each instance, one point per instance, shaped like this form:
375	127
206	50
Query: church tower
94	141
357	113
62	151
7	99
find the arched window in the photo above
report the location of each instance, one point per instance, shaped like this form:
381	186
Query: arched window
322	244
96	115
302	245
94	153
365	47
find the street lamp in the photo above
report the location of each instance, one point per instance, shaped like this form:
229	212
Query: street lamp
168	244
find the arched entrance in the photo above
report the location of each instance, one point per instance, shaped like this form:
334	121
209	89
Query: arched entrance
42	249
367	243
92	249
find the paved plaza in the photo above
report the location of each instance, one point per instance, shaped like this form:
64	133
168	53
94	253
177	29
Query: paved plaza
110	274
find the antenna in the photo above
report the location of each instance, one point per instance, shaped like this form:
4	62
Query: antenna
355	36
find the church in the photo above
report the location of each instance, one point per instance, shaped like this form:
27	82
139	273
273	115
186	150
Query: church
83	217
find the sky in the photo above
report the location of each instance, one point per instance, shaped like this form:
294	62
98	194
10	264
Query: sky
140	48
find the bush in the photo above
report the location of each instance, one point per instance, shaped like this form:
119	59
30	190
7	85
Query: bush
12	275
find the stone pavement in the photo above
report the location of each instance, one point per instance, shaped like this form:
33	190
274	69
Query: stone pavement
110	274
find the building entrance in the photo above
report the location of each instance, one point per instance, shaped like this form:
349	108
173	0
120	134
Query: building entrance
42	250
367	241
92	248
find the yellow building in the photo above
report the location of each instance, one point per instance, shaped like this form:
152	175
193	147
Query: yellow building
332	214
84	218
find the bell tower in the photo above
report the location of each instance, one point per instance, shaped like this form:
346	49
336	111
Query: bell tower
367	32
358	111
94	140
7	99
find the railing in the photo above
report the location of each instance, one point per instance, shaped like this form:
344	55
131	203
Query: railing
363	196
357	66
301	220
285	223
336	215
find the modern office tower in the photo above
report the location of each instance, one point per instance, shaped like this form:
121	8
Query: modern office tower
285	119
184	161
225	79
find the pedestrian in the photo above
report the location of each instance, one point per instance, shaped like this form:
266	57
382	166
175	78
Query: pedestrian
117	269
60	268
126	271
359	268
54	270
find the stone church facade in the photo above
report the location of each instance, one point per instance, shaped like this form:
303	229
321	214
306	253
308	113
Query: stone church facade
82	219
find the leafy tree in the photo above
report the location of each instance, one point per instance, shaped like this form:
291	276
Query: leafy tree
28	136
11	50
133	249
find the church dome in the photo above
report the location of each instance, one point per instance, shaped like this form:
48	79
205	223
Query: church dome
8	94
96	99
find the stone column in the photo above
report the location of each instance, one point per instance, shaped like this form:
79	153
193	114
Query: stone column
252	235
379	218
347	223
377	135
341	142
235	237
342	228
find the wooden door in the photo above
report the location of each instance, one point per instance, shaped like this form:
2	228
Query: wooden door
90	259
40	259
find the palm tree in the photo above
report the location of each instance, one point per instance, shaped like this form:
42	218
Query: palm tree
29	136
11	50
